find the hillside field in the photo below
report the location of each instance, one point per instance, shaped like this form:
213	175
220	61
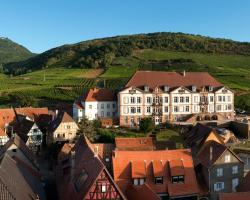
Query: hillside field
51	86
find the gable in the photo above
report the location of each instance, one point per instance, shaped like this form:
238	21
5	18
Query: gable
181	90
224	90
131	90
214	137
233	158
104	183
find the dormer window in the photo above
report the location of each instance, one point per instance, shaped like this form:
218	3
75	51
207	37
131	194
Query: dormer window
158	180
138	172
166	88
210	88
178	179
193	88
146	88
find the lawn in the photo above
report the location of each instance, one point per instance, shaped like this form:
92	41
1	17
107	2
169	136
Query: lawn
169	135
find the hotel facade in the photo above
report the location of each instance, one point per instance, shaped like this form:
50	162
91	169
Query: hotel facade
174	97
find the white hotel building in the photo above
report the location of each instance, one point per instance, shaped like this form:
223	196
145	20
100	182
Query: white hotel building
173	97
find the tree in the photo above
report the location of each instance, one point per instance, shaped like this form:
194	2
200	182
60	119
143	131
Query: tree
87	129
146	125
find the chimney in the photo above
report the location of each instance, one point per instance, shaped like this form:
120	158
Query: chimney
72	164
211	154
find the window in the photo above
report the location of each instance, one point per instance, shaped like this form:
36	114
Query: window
227	158
224	98
148	100
158	180
132	100
166	99
235	183
181	99
177	179
102	106
103	188
196	99
113	105
229	98
138	99
187	109
102	114
176	109
229	107
125	110
14	150
108	105
211	99
107	159
176	99
218	186
141	181
138	109
148	110
136	181
166	109
187	99
235	169
108	114
220	98
132	110
219	172
219	107
126	120
125	100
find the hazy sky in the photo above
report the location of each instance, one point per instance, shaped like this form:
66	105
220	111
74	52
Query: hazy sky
43	24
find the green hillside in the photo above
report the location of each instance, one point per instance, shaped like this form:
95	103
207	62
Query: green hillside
12	52
59	76
100	53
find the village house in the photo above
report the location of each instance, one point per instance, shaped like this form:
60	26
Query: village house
19	173
82	175
174	97
29	132
219	168
95	104
166	174
63	128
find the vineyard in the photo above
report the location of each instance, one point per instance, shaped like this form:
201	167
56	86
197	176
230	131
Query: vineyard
51	86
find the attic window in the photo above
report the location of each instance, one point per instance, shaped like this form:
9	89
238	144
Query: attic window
138	181
210	88
177	179
146	88
14	150
193	88
166	88
158	180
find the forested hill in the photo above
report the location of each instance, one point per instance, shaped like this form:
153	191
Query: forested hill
100	53
12	52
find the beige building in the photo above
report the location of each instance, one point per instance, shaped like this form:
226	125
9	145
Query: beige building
63	128
174	97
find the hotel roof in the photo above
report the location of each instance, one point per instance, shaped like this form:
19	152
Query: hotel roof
155	79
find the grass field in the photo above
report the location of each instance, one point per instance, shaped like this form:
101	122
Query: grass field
66	84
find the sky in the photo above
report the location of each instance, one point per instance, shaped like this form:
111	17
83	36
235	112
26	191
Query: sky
45	24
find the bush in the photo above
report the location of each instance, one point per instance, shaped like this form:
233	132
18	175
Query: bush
146	125
105	136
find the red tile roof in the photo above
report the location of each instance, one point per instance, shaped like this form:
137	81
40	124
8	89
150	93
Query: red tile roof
172	79
134	144
157	168
138	169
176	167
99	95
141	192
122	170
235	196
7	115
